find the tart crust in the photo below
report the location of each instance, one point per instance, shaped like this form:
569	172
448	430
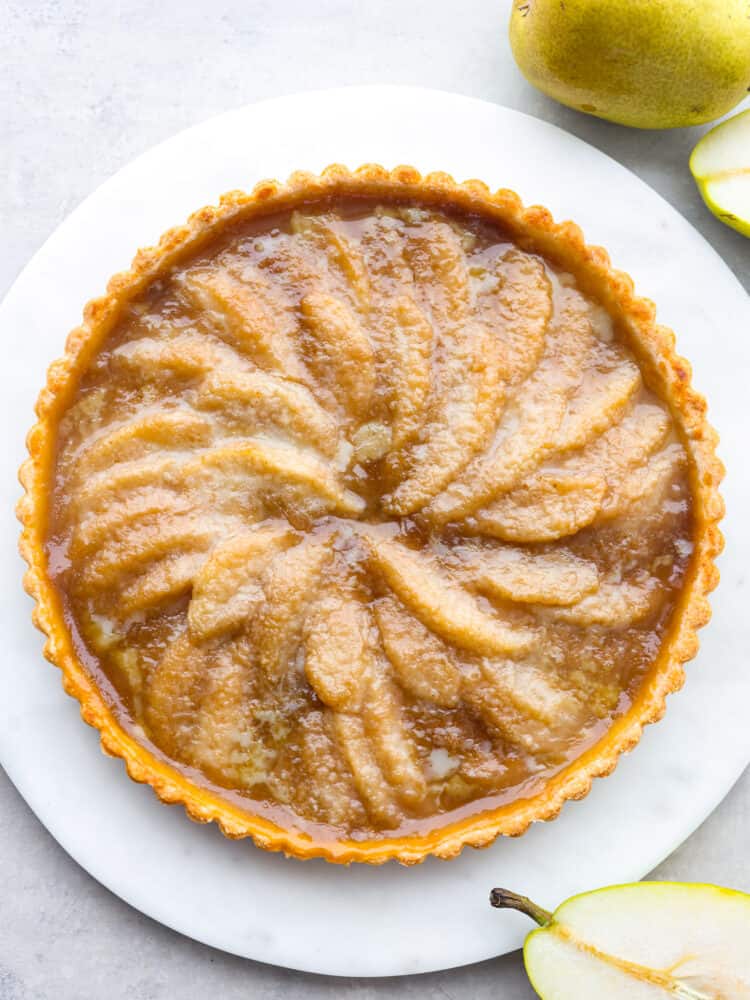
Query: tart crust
654	346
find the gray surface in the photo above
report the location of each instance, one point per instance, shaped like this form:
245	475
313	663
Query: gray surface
84	87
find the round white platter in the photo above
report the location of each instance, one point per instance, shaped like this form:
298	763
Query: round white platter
391	920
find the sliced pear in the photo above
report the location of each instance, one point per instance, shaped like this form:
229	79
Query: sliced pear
532	691
162	582
338	656
554	578
646	941
335	795
389	734
150	431
421	661
521	296
518	700
289	471
289	585
610	473
412	378
616	604
598	404
443	607
140	508
343	354
645	484
258	401
461	422
461	417
125	478
344	257
530	423
175	691
186	355
720	164
349	676
369	781
246	313
136	548
227	589
225	733
438	262
548	507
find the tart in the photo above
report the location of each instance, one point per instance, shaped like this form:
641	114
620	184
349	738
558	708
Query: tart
370	515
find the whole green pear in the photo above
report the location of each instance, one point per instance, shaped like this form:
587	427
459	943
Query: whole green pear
645	63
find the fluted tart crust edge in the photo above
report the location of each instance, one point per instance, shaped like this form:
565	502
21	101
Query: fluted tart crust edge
654	347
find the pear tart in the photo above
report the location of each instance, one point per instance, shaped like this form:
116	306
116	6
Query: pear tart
370	515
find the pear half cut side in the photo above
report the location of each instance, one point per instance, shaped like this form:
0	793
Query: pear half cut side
645	941
720	164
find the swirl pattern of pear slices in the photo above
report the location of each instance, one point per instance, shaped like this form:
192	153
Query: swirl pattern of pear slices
473	401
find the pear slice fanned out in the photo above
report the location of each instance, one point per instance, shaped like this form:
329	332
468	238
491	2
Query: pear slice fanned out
278	470
443	607
227	589
517	700
366	773
646	941
143	507
531	420
338	658
616	604
394	750
246	314
286	471
188	355
289	584
225	731
421	660
522	296
176	687
555	578
548	507
413	373
135	549
598	405
334	791
349	676
720	164
258	401
562	498
162	582
464	413
344	259
461	423
343	354
150	431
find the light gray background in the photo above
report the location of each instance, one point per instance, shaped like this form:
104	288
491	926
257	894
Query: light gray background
86	86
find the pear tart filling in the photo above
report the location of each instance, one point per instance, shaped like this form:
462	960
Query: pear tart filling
366	518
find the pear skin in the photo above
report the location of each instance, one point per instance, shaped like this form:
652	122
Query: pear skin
644	63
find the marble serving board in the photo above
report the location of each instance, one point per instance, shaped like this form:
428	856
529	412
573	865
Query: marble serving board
391	920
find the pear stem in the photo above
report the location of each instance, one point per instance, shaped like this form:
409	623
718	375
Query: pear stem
503	899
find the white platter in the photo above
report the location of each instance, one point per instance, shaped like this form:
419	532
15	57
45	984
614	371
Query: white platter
391	920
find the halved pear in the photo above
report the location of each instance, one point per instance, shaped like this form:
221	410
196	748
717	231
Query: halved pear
646	941
720	164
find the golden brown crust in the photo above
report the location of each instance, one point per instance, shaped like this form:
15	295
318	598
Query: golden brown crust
668	374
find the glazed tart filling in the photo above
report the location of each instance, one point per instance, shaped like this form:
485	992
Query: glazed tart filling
366	517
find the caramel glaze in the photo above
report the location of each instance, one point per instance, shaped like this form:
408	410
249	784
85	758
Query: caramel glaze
367	518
